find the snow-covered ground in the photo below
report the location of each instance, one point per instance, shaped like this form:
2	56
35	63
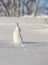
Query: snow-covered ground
32	29
35	36
30	33
33	53
31	16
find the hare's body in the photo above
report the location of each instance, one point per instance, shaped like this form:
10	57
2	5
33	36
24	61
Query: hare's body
17	39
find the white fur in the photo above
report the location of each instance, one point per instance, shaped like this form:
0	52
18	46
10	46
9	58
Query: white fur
17	39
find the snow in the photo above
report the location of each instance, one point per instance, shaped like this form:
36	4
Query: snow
31	54
41	16
33	51
32	29
29	33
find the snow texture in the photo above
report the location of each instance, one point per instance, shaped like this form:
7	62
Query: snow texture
33	53
32	29
34	49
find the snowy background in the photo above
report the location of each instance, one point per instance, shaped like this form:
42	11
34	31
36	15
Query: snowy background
32	29
35	36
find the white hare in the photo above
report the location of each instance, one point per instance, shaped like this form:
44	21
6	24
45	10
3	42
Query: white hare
17	39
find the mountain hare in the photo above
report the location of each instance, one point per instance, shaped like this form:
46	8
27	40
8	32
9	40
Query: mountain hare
17	39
